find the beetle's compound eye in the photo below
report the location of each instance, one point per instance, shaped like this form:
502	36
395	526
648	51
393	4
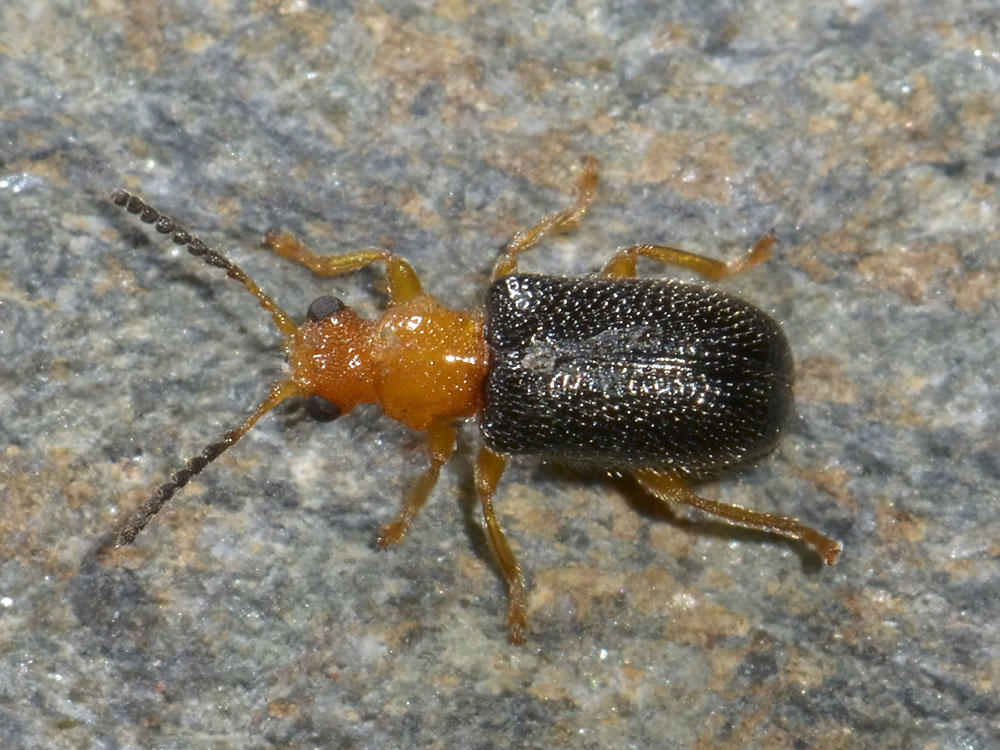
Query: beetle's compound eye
321	409
323	307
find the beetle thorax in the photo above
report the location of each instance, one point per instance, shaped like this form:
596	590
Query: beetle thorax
429	362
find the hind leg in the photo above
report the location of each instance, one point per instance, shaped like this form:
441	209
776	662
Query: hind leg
622	264
670	488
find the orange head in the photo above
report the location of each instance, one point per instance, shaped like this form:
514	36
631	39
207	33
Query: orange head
330	356
421	361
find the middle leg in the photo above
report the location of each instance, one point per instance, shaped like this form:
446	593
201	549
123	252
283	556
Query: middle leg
555	223
489	469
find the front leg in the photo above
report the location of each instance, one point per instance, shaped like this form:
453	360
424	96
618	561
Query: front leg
440	445
404	284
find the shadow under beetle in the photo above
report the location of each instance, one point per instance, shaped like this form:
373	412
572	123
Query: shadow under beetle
668	381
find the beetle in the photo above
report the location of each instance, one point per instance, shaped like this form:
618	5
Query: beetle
668	381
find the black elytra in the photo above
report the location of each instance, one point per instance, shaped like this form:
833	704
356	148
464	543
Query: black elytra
640	373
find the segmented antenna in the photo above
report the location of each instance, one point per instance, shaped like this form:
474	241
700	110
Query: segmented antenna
193	466
165	225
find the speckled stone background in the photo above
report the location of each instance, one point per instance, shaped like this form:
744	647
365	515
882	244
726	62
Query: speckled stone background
256	613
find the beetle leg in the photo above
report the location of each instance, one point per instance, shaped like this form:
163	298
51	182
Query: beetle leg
556	223
667	487
622	263
404	284
489	469
440	445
